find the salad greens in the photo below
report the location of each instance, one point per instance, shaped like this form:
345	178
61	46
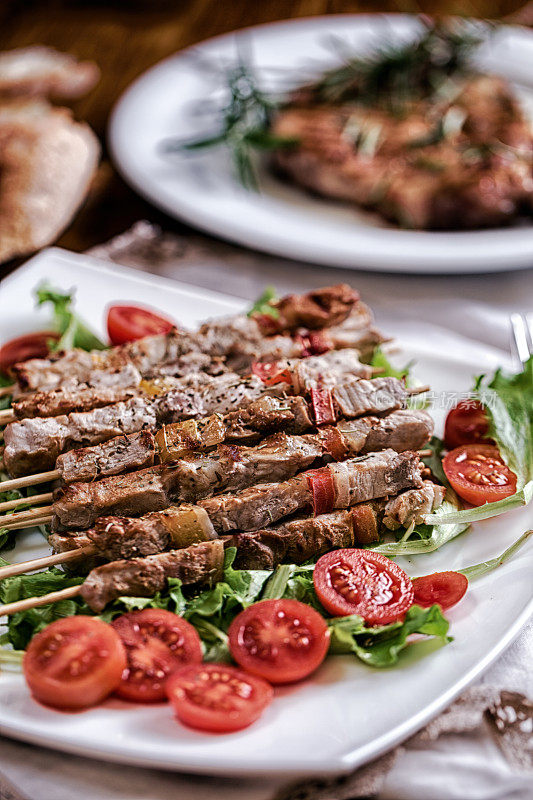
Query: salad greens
212	610
74	332
262	304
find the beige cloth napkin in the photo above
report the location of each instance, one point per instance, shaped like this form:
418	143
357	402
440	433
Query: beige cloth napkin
482	746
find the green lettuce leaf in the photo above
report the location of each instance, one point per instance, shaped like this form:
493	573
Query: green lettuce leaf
381	646
262	304
74	332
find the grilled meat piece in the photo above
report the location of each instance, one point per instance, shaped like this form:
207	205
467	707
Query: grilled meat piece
375	475
65	543
267	415
405	429
322	308
33	444
325	369
356	398
228	468
294	542
121	454
419	172
143	577
411	506
54	404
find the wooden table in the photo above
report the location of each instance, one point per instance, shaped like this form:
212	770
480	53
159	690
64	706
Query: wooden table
126	37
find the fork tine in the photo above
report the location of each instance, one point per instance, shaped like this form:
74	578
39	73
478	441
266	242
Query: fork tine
529	330
520	336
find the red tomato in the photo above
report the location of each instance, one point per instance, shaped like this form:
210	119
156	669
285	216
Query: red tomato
280	640
31	345
128	323
157	643
362	582
443	588
74	663
320	482
322	401
467	423
479	474
217	697
333	441
271	372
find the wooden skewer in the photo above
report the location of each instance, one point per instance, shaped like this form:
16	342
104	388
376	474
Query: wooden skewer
30	480
28	501
6	416
28	514
413	390
35	602
6	390
27	523
424	453
46	561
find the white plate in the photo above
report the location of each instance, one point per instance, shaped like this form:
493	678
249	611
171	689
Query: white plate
201	189
347	713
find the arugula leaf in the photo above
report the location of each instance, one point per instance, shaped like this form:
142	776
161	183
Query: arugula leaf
381	646
441	532
212	610
262	304
477	570
434	461
74	332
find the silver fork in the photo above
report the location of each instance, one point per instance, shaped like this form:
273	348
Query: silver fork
522	330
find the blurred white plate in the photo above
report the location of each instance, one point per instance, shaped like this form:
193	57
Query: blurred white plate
174	100
347	713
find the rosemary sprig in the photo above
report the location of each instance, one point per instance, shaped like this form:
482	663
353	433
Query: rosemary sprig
245	125
394	75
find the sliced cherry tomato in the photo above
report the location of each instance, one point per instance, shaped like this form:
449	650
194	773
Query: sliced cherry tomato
217	697
364	583
74	663
333	441
128	323
31	345
443	588
322	401
467	423
280	640
479	474
322	487
157	643
271	372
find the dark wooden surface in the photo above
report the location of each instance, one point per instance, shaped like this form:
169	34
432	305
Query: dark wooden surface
126	37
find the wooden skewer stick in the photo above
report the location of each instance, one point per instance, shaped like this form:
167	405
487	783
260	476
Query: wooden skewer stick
46	561
413	390
35	602
28	501
30	480
6	390
6	416
30	513
424	453
27	523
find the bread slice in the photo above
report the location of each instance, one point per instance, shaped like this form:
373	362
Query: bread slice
47	161
42	71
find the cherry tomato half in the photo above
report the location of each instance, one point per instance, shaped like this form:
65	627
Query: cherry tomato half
74	663
280	640
361	582
443	588
217	697
128	323
467	423
270	372
157	643
31	345
479	474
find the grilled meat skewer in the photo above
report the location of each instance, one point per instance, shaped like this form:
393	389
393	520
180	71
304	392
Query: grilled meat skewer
239	337
35	444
